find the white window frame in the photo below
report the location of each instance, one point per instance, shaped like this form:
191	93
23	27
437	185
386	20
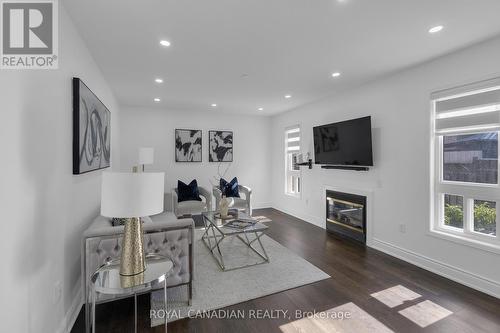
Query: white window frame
290	174
469	191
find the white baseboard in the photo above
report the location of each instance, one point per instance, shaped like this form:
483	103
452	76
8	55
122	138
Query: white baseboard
314	220
456	274
73	310
260	205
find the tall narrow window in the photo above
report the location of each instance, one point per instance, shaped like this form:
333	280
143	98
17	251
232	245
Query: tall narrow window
292	151
466	190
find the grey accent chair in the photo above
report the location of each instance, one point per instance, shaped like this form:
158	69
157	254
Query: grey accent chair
191	207
163	234
243	203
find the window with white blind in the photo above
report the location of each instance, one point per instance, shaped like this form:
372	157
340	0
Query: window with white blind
465	184
292	172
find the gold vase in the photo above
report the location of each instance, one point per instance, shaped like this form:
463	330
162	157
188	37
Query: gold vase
133	257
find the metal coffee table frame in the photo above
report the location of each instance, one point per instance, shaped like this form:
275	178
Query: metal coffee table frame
215	234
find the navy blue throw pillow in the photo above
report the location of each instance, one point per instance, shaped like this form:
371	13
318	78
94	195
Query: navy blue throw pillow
230	190
187	192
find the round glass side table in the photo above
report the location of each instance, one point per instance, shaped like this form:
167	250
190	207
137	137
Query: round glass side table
107	280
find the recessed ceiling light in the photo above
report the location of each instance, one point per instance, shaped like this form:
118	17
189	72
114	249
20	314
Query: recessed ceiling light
214	105
158	80
156	99
336	74
164	43
288	96
260	109
435	29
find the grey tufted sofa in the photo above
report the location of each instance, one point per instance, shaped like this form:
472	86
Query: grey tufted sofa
163	234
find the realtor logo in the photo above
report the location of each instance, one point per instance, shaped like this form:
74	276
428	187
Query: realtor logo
29	35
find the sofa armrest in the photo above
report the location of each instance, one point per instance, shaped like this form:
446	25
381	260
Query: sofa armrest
247	191
218	196
207	195
167	221
175	201
102	226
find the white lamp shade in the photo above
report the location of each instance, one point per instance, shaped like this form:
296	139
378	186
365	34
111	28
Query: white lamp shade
127	195
146	155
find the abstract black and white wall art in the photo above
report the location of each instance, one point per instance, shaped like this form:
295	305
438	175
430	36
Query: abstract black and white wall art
91	130
187	145
220	146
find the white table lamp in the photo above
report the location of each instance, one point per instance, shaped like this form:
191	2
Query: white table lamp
146	156
132	196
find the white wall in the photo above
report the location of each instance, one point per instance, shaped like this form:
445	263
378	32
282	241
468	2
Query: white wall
155	128
44	207
400	110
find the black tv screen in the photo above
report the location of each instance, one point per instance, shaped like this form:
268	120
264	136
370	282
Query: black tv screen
344	143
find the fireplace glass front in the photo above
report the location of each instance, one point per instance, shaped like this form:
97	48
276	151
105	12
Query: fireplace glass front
346	214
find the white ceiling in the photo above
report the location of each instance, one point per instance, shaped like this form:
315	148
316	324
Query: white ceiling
285	46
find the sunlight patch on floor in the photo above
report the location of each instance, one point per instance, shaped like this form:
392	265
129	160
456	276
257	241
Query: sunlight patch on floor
425	313
262	218
395	296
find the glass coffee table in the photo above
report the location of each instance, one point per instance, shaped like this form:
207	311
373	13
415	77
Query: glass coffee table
216	232
107	280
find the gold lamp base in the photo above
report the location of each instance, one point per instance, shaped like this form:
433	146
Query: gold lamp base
133	260
132	280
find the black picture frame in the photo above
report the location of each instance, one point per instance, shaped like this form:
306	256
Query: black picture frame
91	130
179	145
223	153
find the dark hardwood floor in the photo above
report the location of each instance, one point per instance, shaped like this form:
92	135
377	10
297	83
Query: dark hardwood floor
356	273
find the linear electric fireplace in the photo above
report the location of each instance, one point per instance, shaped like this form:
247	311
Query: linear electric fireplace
346	215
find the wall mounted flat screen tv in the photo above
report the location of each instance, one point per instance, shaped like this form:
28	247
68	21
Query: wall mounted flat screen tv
347	143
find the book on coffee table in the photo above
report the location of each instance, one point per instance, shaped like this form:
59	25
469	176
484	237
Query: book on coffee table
240	223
